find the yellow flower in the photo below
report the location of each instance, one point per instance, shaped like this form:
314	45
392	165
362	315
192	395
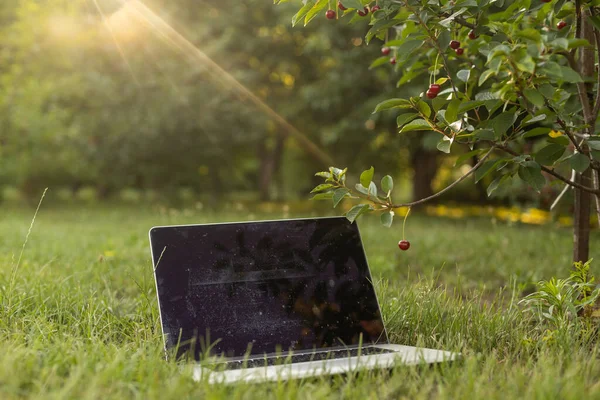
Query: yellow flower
554	134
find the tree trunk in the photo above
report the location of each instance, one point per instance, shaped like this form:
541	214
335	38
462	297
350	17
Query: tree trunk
424	164
582	206
269	160
581	221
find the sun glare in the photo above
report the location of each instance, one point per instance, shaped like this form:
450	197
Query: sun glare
125	23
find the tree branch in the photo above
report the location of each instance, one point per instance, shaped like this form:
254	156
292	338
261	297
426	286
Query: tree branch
460	21
553	173
581	89
566	129
450	186
597	103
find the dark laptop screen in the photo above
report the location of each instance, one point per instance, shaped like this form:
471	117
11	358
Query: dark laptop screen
264	286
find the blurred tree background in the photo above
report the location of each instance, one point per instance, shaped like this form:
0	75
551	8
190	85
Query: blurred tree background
96	97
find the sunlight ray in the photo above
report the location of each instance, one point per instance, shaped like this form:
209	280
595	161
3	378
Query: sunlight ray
173	37
114	38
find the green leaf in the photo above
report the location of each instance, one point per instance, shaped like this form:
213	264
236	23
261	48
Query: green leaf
416	125
451	114
496	183
448	21
392	103
485	134
438	103
537	132
317	8
356	211
338	195
324	174
445	144
367	176
529	33
380	61
467	156
302	12
594	144
360	188
372	189
549	154
534	97
580	162
321	187
387	218
387	184
595	21
463	75
502	123
485	76
570	75
408	47
531	120
322	196
469	105
575	43
403	119
486	168
531	172
424	108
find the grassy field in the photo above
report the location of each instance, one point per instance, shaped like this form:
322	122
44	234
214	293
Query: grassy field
78	318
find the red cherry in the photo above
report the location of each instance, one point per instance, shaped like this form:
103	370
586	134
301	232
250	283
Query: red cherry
385	51
341	6
472	35
404	245
454	44
363	12
393	60
330	14
561	24
430	94
435	88
375	8
460	51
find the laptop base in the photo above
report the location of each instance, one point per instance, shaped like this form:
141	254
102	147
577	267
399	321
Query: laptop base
400	355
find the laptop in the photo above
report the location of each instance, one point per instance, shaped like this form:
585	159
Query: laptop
269	300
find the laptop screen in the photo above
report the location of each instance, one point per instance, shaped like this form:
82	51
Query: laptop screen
264	287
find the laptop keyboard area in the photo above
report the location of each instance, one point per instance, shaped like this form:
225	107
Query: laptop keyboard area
298	358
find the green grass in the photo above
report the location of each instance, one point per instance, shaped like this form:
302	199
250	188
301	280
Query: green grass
81	321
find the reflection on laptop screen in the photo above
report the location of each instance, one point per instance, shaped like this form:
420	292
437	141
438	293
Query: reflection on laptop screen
264	286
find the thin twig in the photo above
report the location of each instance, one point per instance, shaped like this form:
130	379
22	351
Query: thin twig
553	173
435	44
450	186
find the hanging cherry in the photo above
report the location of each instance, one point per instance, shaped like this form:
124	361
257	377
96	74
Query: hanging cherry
363	12
454	44
341	6
385	51
460	51
375	8
330	14
404	245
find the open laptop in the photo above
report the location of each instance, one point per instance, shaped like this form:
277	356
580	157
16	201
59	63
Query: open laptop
272	300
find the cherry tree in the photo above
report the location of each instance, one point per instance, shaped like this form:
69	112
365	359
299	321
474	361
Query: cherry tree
512	82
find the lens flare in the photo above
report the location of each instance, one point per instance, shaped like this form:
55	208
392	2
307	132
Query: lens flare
173	38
